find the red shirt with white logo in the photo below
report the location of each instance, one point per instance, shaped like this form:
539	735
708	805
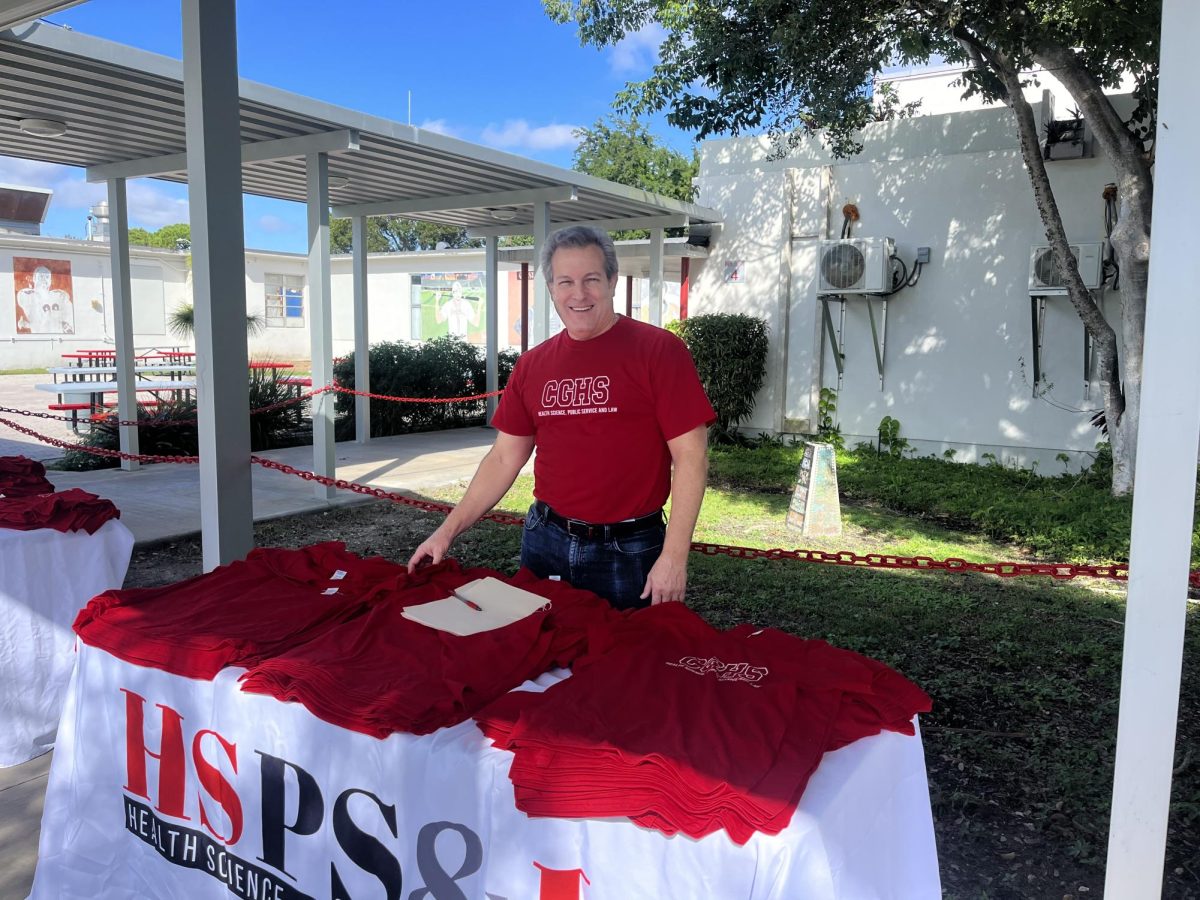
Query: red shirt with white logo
726	731
601	412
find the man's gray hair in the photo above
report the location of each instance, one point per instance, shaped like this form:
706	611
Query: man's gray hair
580	236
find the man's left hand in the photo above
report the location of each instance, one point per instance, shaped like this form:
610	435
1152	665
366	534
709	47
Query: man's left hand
667	580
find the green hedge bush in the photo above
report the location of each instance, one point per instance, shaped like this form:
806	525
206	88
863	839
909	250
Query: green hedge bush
442	367
730	351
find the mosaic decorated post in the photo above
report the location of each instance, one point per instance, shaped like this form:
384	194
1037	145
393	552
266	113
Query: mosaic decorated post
815	509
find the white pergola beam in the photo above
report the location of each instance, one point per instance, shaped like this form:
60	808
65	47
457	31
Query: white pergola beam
362	344
539	313
215	203
410	207
320	322
261	151
1165	479
656	276
491	269
118	248
665	221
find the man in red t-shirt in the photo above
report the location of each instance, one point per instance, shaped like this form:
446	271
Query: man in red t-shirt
619	418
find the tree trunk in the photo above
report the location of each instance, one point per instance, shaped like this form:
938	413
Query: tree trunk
1104	339
1130	241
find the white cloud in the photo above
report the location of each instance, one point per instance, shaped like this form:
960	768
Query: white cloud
273	224
31	173
518	134
150	205
637	52
439	126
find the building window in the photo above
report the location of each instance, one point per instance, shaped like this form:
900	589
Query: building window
285	301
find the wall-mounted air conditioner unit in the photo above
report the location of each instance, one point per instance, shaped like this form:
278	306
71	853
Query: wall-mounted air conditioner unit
855	266
1043	273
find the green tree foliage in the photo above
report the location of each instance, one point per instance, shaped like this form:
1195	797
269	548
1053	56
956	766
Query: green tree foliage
393	235
737	66
624	151
169	237
731	358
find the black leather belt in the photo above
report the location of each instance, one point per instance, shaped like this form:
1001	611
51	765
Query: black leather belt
592	531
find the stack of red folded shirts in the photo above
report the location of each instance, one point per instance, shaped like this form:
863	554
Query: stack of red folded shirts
683	728
235	615
72	510
23	477
382	672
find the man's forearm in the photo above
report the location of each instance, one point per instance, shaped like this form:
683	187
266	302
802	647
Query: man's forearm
688	480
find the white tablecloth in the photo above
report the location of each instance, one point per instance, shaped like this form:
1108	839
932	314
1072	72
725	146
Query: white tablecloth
178	788
45	577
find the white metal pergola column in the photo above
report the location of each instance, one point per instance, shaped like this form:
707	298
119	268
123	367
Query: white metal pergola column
213	132
541	291
656	276
1160	550
491	274
362	346
118	249
320	319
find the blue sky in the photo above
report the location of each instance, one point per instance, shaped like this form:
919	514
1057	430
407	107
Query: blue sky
495	72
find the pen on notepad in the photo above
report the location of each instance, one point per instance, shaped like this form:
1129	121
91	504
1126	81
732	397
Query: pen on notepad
471	603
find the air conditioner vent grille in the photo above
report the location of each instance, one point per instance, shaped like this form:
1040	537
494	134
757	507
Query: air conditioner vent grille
843	266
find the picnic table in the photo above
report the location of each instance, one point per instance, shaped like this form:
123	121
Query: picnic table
95	391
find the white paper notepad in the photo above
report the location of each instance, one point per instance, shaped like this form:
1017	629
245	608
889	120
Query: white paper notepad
499	604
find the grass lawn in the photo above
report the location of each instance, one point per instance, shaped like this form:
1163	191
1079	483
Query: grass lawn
1024	672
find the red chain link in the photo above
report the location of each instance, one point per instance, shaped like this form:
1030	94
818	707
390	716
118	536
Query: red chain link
291	401
345	390
427	505
150	423
100	451
1060	571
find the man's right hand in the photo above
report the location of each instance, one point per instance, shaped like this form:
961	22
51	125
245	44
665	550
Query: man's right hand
434	549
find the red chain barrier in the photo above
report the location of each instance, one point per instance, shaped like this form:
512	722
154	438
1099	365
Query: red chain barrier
341	484
1060	571
345	390
100	451
291	401
150	423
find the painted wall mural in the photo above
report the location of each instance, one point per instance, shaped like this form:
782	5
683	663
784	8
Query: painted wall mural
43	295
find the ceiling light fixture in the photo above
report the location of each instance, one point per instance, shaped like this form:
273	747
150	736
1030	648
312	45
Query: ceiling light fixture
42	127
338	181
504	214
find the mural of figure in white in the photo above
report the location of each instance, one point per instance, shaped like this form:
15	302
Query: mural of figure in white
43	309
458	312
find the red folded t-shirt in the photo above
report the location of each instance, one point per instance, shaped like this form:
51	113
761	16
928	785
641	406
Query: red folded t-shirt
73	510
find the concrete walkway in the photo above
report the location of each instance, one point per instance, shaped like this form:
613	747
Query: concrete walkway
162	501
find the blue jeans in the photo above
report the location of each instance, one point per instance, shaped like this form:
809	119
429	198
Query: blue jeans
616	569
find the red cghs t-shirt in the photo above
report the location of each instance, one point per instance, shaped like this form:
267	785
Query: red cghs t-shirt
601	412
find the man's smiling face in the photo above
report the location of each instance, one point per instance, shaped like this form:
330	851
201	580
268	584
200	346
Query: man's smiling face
582	292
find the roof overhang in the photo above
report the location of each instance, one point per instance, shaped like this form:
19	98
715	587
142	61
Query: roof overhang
124	112
18	12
